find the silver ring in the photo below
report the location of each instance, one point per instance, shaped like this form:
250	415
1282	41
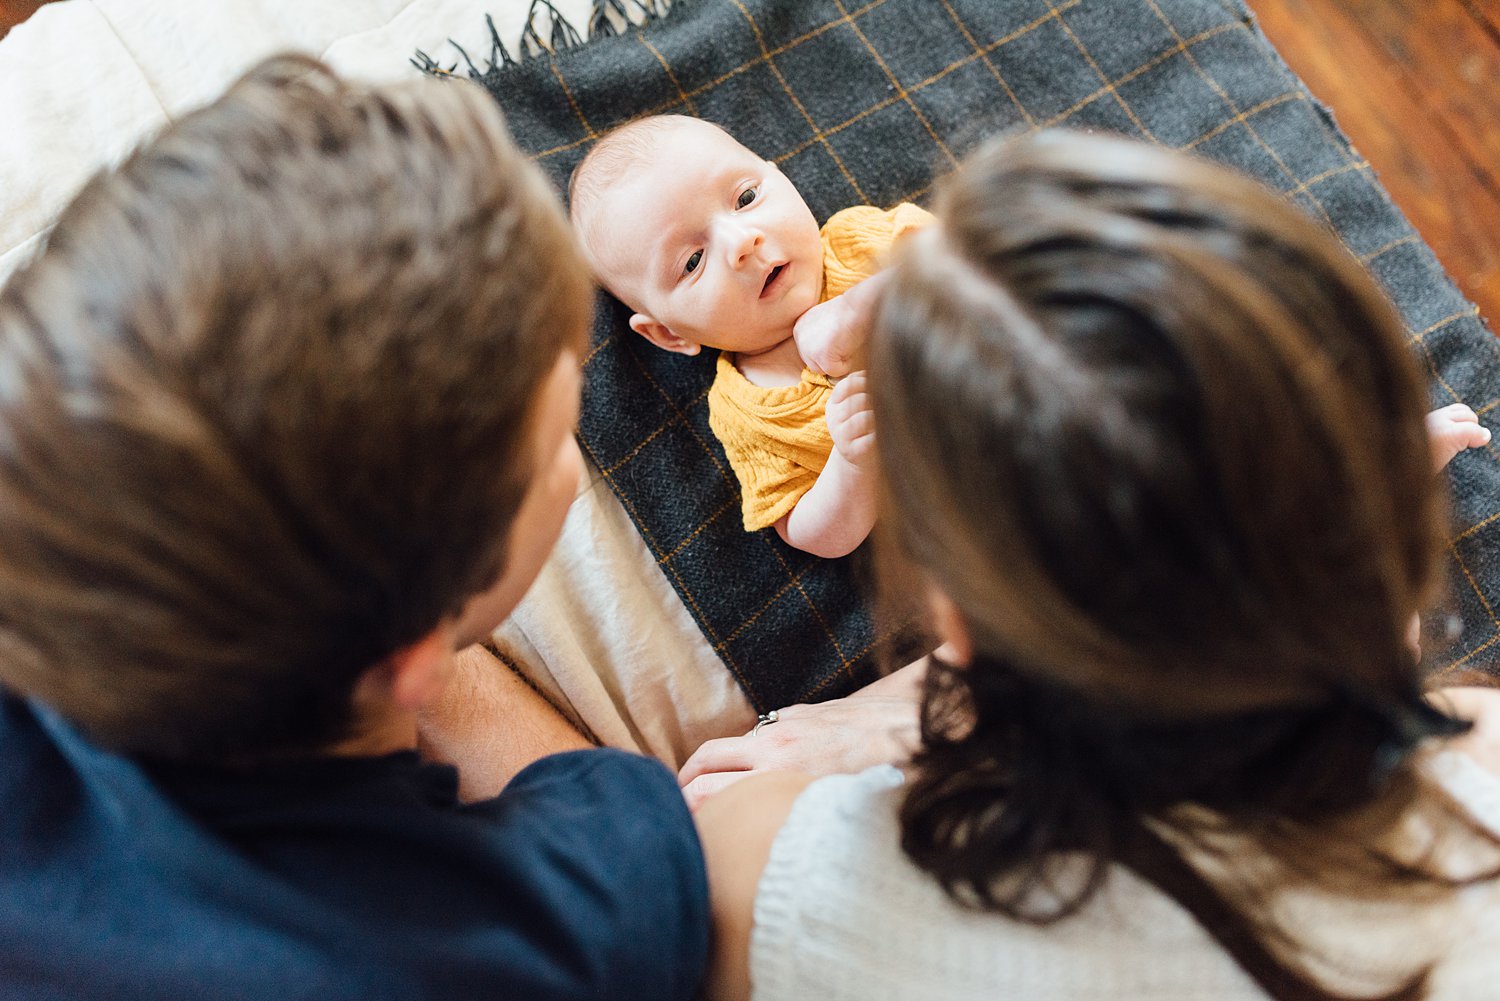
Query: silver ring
770	717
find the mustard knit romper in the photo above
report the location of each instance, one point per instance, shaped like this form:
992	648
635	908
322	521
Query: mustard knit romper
776	437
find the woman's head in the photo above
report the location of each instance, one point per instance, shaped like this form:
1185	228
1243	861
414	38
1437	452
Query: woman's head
1156	444
1159	437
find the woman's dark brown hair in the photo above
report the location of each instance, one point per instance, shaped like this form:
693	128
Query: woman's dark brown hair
265	407
1159	441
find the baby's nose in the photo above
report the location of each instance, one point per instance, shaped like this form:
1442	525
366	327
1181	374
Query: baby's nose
743	245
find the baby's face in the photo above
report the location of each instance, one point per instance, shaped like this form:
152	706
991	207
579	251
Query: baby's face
709	241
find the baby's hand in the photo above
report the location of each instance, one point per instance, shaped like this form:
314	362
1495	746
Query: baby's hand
1453	429
830	334
851	421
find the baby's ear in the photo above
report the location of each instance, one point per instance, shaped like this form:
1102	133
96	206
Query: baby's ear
660	335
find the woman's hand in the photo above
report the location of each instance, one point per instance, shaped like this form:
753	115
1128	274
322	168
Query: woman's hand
876	725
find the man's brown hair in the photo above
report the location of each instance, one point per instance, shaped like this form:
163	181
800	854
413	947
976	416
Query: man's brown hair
265	407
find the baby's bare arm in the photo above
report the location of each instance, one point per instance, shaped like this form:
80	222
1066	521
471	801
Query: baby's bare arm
836	515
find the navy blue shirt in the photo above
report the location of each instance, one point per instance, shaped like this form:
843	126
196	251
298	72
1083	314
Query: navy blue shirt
338	878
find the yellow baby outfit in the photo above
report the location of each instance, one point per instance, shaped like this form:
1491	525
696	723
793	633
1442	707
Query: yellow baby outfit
776	437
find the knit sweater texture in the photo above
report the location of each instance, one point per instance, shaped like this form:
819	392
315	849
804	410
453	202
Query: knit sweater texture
841	914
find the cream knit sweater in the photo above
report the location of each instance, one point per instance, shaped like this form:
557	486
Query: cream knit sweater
842	914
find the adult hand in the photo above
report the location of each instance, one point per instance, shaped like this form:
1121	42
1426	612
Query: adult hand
831	335
876	725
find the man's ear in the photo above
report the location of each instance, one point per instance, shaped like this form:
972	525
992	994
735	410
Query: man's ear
660	335
416	675
958	643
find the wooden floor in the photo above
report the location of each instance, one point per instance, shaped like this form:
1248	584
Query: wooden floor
1415	83
13	12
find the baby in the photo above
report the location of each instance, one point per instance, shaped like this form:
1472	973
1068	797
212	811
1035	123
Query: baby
711	246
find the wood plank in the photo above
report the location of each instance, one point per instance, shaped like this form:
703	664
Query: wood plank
1486	13
1453	65
13	12
1390	114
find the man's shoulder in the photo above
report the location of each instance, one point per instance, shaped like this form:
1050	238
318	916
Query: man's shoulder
601	796
346	874
612	848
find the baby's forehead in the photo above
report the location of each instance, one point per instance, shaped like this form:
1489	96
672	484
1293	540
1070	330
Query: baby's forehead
651	147
655	162
643	177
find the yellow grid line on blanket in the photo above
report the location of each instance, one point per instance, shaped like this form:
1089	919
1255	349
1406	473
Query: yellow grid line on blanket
1146	67
731	504
1250	126
1461	536
1472	311
812	606
1474	584
984	56
794	581
1448	669
1378	251
1332	172
761	41
667	67
1241	118
572	101
620	463
704	88
1109	86
900	90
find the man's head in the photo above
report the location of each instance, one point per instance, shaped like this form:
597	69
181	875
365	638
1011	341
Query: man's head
286	393
708	243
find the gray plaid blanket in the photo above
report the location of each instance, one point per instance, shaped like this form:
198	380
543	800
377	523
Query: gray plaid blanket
867	102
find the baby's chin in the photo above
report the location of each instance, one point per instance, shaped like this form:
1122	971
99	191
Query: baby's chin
805	298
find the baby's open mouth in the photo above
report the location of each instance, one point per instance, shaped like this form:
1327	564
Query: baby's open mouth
771	279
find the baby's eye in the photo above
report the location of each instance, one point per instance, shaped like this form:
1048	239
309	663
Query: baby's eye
746	197
692	262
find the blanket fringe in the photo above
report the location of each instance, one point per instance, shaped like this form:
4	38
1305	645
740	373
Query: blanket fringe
547	32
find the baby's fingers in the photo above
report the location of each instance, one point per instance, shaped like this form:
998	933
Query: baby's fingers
860	425
1452	412
849	397
854	384
1453	429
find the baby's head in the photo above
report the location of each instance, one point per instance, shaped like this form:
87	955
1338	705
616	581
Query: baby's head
706	242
